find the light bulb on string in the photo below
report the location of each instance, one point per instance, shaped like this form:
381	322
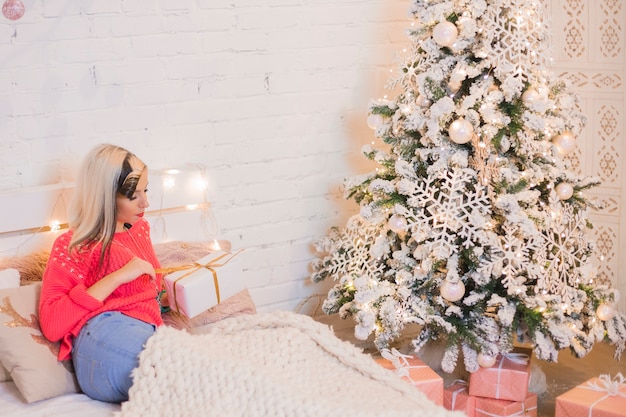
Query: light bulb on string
169	181
55	225
200	183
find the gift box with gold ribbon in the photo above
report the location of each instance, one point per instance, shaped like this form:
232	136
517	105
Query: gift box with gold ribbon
414	371
506	380
193	289
602	396
490	407
456	398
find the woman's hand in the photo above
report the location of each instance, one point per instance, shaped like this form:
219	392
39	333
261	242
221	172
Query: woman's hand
135	268
131	271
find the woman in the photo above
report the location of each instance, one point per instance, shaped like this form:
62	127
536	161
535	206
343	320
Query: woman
100	293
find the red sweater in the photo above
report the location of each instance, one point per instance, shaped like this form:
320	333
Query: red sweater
65	306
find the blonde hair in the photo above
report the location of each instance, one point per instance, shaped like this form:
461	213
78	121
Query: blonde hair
106	171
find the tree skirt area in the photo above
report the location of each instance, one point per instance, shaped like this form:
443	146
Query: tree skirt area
551	379
270	364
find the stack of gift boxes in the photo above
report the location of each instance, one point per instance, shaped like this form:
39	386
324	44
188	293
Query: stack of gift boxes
501	390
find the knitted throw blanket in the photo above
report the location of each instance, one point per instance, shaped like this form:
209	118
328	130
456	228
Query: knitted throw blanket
271	364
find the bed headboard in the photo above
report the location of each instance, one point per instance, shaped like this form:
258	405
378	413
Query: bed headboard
33	217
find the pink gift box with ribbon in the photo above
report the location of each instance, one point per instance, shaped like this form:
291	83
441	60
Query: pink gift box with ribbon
506	380
597	397
193	289
490	407
415	371
456	398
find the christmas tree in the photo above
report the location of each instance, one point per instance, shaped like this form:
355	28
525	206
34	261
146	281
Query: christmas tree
473	225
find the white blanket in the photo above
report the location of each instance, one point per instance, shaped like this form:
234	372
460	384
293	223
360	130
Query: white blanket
272	364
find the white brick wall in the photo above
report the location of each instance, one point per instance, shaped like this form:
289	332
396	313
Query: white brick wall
269	95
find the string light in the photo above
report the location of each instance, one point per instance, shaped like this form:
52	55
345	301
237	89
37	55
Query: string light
201	183
169	181
55	226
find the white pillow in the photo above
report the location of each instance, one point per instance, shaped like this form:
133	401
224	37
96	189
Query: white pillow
30	358
9	278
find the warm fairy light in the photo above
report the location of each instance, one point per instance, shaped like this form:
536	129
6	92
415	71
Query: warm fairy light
55	225
200	183
191	206
172	171
169	181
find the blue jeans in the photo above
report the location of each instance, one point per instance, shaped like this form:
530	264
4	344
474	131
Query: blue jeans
105	353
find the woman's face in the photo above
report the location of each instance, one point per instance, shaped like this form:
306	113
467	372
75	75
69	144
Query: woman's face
130	210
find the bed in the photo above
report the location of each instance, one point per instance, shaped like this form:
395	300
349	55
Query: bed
12	404
230	360
39	395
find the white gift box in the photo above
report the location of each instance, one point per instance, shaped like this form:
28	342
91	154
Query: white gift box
210	280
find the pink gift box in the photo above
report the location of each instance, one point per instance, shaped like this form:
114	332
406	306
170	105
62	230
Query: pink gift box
456	398
416	372
596	397
506	380
490	407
